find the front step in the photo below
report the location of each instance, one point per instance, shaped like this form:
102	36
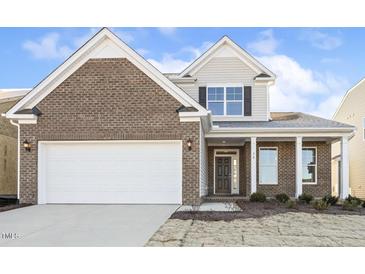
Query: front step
219	198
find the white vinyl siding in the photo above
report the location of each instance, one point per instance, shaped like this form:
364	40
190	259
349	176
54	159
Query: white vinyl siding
226	70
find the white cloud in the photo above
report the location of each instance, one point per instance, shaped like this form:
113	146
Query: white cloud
48	47
321	40
196	52
167	31
80	40
171	63
292	75
265	44
302	89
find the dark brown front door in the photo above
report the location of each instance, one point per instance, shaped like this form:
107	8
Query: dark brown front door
223	175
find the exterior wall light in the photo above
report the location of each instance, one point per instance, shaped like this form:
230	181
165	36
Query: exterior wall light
27	145
189	143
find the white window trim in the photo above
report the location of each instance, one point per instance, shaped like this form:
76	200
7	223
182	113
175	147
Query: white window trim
277	166
225	86
233	156
315	155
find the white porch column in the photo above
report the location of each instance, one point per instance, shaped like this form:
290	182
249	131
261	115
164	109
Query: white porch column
298	167
253	164
345	173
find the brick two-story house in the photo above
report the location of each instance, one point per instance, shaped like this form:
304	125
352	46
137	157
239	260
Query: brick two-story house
108	127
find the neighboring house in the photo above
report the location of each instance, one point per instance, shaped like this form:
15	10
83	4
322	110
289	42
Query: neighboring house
108	127
352	110
8	143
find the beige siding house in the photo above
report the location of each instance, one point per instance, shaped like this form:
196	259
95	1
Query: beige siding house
352	111
8	143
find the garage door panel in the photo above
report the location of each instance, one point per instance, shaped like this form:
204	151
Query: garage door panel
131	172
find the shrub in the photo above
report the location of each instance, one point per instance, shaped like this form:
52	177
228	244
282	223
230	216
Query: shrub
291	204
363	204
307	198
350	205
258	197
331	200
354	200
321	204
282	198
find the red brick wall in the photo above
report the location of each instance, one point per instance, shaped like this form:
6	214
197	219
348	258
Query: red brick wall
109	99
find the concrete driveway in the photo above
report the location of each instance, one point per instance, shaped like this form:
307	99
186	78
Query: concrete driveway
82	225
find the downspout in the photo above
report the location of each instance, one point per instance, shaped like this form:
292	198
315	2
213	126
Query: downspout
18	160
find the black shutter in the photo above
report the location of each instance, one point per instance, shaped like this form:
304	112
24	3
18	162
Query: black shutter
248	101
203	96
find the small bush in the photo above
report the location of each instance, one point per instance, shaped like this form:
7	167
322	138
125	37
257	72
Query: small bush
291	204
350	205
354	200
320	204
258	197
307	198
282	198
331	200
363	204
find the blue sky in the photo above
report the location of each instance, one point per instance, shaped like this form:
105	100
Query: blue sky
315	66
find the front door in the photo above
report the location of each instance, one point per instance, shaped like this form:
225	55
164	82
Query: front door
223	175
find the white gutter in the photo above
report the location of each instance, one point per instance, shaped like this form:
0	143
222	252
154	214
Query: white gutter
273	130
18	159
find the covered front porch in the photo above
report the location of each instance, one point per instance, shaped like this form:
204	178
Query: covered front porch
239	164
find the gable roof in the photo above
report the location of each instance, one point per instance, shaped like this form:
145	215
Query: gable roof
345	96
104	44
240	52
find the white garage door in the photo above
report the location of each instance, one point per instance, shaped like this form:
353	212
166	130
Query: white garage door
110	172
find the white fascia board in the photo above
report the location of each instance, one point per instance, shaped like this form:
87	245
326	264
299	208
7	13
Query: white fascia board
227	134
21	116
241	53
81	56
345	97
296	130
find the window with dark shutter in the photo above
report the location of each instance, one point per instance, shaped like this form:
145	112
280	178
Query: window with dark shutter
248	101
203	96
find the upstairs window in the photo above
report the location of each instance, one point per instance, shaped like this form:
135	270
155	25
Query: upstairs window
225	100
234	100
216	100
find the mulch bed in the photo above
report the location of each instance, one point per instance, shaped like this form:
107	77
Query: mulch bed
258	210
13	206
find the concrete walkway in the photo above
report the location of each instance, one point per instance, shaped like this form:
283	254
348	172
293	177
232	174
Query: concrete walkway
82	225
288	229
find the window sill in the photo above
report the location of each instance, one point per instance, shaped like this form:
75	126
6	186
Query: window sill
314	183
